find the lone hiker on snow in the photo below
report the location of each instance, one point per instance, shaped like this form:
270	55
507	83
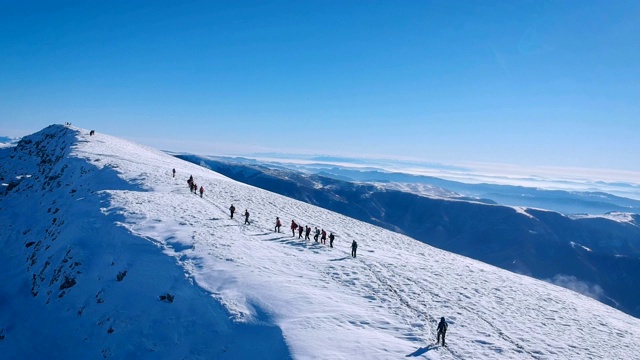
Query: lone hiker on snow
442	330
354	247
278	224
232	209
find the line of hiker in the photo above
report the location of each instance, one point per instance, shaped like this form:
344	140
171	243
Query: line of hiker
319	235
193	187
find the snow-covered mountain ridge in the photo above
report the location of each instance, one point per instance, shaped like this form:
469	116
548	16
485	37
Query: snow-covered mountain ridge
107	255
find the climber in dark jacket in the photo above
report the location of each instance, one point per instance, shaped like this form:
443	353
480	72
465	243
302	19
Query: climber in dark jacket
442	330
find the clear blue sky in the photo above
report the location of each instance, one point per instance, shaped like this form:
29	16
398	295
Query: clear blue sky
553	83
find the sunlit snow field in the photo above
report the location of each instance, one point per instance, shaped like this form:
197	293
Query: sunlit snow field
383	304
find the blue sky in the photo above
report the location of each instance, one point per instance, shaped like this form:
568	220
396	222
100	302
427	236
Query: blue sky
531	83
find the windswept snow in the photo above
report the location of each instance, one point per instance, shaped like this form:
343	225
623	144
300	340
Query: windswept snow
617	216
237	284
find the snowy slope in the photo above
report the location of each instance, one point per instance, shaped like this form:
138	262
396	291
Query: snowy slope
534	242
80	211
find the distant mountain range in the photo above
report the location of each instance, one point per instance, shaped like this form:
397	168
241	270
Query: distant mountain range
567	202
596	255
7	141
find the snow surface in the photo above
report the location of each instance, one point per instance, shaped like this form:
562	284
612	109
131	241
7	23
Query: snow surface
245	291
613	216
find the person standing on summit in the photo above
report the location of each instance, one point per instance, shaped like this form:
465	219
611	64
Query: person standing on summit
232	209
354	248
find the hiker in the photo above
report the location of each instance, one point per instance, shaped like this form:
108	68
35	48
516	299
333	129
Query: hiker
174	172
300	230
232	209
278	224
201	191
354	248
92	132
246	216
294	226
331	237
323	237
442	330
307	231
316	234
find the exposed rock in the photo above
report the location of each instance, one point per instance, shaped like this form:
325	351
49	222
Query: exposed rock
167	297
68	282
